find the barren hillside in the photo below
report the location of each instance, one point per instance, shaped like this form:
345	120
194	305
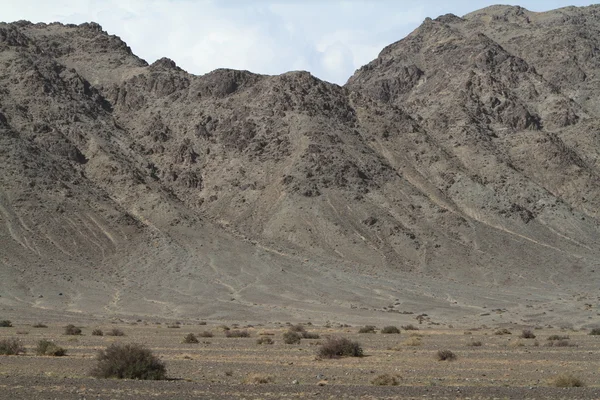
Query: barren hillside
455	174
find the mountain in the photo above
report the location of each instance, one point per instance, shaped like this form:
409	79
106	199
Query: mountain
455	174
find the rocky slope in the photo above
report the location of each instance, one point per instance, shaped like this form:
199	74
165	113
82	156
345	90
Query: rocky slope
455	172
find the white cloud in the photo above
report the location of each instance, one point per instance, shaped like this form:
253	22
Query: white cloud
331	38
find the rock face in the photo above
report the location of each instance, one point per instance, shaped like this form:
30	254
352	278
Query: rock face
458	169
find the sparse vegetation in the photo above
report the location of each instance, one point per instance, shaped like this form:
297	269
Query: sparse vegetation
5	324
367	329
129	361
258	379
115	332
595	332
475	343
264	340
336	347
412	341
390	329
297	328
385	380
190	338
566	380
48	348
206	334
72	330
97	332
503	331
410	327
559	343
446	355
11	347
310	335
237	334
558	337
39	325
527	334
291	337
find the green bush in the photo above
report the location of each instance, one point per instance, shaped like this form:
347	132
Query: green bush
11	347
336	347
48	348
129	361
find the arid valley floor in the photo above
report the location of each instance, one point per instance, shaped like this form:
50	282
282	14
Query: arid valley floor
502	366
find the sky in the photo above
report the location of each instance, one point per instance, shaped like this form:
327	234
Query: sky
329	38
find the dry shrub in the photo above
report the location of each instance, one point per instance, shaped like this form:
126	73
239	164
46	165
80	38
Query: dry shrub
11	347
566	380
559	343
129	361
310	335
336	347
527	334
206	334
558	337
410	327
503	331
48	348
115	332
174	326
39	325
412	341
446	355
367	329
237	334
516	343
390	329
190	338
297	328
264	340
475	343
258	379
5	324
291	337
97	332
72	330
595	331
385	380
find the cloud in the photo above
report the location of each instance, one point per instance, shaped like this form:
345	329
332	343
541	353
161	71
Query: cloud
331	39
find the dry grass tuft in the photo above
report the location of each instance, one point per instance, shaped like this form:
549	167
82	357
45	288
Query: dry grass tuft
258	379
385	380
566	380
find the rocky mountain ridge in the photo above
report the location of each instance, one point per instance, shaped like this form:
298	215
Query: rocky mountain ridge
458	168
